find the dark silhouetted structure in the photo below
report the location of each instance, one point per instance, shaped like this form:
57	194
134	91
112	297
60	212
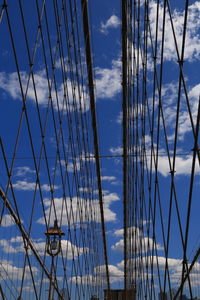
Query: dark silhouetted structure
119	294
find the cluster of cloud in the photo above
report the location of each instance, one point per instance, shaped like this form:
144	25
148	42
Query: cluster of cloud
68	95
16	245
7	220
69	209
138	242
116	272
183	164
169	104
9	270
99	276
108	80
74	165
192	43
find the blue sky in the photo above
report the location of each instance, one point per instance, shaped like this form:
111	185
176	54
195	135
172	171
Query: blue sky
105	20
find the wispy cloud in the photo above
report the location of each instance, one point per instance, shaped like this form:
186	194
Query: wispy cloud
111	179
23	185
116	150
108	178
23	171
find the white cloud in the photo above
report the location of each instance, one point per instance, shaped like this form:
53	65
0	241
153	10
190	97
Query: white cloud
119	246
23	171
111	179
108	178
72	167
141	245
131	230
87	279
119	118
116	150
7	220
194	93
174	266
192	44
108	81
75	164
169	99
89	190
115	274
16	245
182	167
69	250
99	277
9	270
17	239
90	210
23	185
112	22
183	164
10	84
7	247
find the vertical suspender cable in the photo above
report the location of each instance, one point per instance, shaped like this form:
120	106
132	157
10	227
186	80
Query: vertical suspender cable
124	103
94	125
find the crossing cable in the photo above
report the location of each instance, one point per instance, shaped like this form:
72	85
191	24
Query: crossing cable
168	153
1	292
43	133
35	89
191	266
195	150
154	157
144	64
5	279
60	43
77	131
180	61
31	75
2	12
26	237
140	111
174	191
93	111
181	71
83	127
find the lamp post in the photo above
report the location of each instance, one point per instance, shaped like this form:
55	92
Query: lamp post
54	235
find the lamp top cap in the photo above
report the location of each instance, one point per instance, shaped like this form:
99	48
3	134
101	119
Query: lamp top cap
55	230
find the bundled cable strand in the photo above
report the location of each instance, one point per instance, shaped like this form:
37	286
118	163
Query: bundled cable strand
149	213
